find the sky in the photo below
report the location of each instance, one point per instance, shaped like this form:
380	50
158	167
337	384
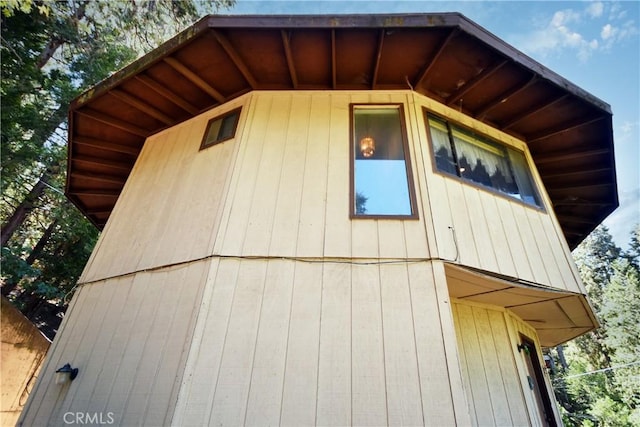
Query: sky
593	44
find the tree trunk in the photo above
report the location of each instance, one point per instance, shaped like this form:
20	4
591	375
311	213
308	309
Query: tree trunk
563	361
53	45
37	249
7	288
48	52
31	303
25	207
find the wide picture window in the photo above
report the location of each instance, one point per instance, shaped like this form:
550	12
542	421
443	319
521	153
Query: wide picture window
380	169
477	159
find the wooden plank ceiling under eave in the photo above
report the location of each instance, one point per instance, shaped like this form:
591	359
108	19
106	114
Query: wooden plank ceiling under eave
558	316
443	56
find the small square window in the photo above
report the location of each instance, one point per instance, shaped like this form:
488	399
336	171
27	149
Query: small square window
221	128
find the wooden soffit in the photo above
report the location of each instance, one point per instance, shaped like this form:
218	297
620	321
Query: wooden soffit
557	316
443	56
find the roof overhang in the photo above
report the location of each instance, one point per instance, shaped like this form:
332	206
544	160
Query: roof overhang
443	56
557	316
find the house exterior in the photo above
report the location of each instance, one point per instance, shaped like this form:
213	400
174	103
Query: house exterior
331	220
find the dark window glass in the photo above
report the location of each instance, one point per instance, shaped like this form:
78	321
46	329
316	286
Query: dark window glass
442	146
221	128
524	182
380	163
475	158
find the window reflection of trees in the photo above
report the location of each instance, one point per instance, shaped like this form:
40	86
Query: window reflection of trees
478	174
444	161
462	153
361	203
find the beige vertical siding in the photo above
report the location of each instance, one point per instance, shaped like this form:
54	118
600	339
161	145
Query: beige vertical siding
289	194
169	209
297	343
128	337
494	372
493	232
280	188
490	368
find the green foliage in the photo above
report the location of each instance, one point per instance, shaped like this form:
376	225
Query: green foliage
594	258
361	203
611	413
633	254
72	244
601	386
11	7
620	313
15	269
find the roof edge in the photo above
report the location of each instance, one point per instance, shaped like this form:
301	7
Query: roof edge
523	59
356	20
444	19
141	63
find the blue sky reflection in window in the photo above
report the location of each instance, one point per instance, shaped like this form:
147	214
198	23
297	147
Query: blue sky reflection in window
380	170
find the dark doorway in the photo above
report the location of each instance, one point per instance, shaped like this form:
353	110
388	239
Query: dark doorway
535	378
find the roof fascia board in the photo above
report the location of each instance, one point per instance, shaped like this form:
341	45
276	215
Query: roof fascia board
393	20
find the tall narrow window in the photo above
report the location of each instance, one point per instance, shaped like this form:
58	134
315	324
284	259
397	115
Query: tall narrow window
380	169
220	129
480	160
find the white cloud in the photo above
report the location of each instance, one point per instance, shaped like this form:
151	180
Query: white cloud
627	127
611	34
558	34
562	17
572	30
626	131
608	31
628	29
616	12
595	9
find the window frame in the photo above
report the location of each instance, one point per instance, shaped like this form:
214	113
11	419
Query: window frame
407	162
204	144
491	141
